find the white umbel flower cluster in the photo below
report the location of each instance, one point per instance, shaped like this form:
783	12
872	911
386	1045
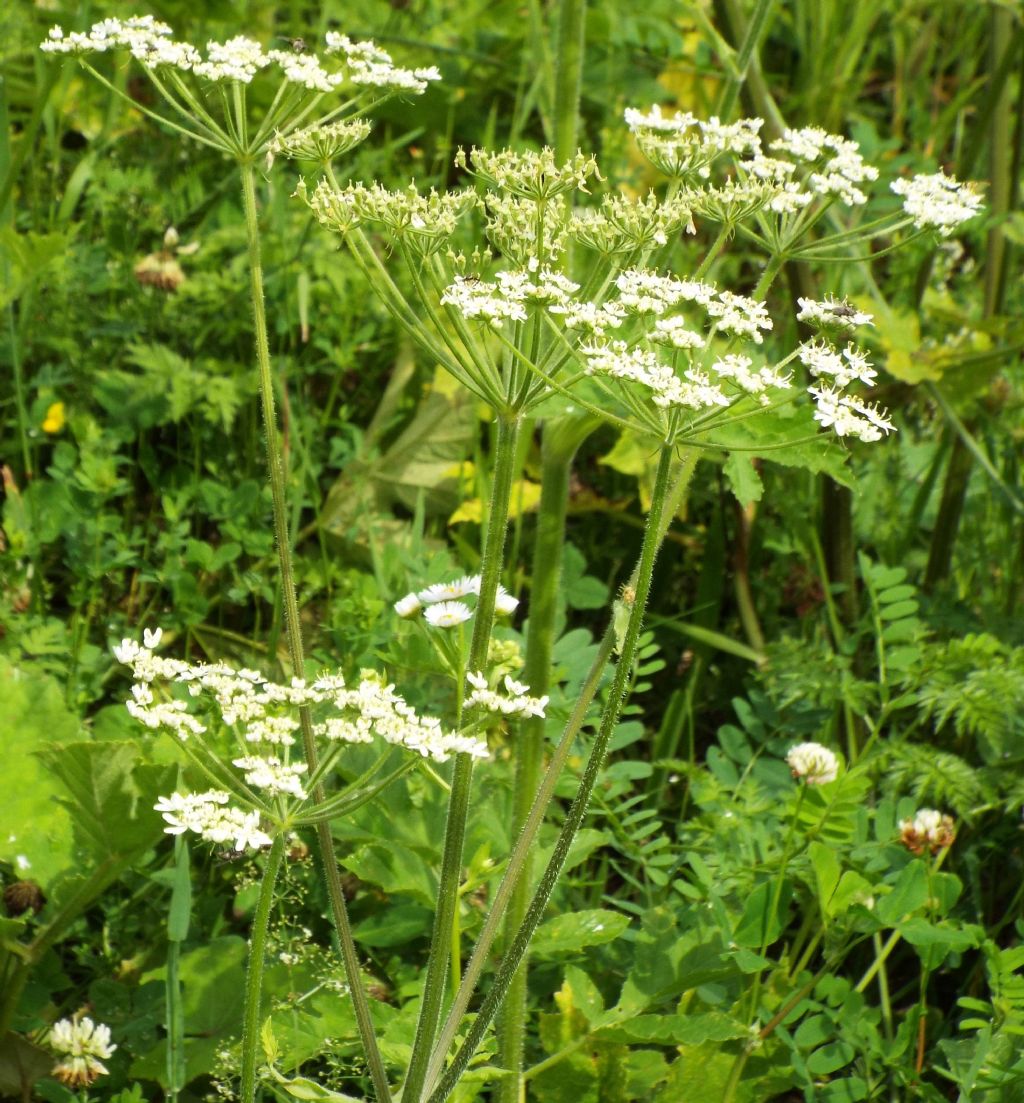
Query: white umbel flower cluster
840	166
832	313
444	605
848	416
263	714
938	202
813	764
515	701
240	58
840	368
213	819
82	1046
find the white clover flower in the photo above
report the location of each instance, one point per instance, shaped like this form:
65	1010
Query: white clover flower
938	202
813	764
832	313
447	614
409	605
83	1047
928	829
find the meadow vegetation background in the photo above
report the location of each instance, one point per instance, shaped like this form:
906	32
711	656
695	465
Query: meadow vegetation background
876	609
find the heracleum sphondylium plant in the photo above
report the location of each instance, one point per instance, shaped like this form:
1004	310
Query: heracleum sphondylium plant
672	357
317	105
630	331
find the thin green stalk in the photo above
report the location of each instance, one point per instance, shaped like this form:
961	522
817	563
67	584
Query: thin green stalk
506	447
574	818
572	18
746	55
178	916
560	440
293	631
254	970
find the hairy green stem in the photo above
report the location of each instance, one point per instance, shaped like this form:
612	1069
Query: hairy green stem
254	970
293	632
746	56
574	818
559	442
509	427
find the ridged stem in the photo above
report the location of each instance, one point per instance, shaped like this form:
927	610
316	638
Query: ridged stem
293	633
578	809
509	427
559	442
254	970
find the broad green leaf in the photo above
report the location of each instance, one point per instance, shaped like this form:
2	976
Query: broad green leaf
764	915
583	993
908	894
852	889
571	932
826	872
112	793
35	830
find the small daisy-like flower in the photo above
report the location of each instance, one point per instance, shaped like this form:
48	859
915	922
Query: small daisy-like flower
450	591
504	603
813	764
408	606
447	614
927	830
83	1047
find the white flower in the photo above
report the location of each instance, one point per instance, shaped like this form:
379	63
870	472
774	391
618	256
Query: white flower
151	639
938	202
450	591
272	775
848	416
517	702
408	606
84	1046
813	763
832	312
210	817
504	603
928	829
447	614
841	368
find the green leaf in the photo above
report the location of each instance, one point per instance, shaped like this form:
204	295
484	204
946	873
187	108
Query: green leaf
394	926
744	481
674	1030
571	932
908	894
112	794
826	872
830	1058
35	830
761	922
